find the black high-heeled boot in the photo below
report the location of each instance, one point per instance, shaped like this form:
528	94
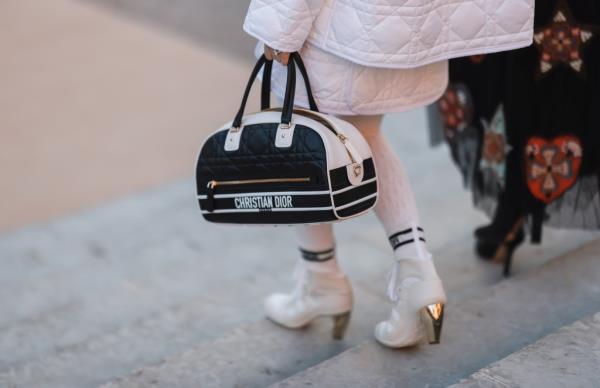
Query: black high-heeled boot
498	240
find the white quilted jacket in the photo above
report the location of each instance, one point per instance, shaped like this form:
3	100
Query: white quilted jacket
393	33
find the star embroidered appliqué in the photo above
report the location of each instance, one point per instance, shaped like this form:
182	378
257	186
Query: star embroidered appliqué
561	42
495	147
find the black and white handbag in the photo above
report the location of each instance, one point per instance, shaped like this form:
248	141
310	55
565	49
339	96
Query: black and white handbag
285	166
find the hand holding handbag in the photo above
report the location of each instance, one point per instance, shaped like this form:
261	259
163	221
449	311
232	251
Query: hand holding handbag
285	166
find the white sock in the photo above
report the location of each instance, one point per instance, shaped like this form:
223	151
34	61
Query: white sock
396	207
317	248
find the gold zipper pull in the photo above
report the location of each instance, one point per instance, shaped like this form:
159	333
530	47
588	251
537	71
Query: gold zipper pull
342	137
357	168
210	195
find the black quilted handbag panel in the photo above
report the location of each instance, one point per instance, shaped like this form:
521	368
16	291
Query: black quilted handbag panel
259	158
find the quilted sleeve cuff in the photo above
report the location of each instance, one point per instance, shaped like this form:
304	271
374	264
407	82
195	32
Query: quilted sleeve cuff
281	24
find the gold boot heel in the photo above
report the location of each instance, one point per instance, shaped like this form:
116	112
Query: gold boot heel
433	317
340	324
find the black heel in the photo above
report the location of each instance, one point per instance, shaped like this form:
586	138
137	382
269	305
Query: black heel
507	264
504	252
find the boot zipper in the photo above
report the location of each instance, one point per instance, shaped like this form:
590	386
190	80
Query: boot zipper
210	192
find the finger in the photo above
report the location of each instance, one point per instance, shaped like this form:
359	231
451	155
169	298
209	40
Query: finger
269	53
283	58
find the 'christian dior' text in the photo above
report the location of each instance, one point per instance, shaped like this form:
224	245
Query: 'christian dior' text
264	202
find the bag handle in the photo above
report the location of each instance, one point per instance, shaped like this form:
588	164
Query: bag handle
265	102
290	90
290	94
265	93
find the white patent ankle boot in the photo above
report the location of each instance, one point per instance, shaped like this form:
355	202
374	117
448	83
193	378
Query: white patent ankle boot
315	295
418	312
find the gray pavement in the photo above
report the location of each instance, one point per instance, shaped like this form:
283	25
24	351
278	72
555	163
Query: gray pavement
569	357
481	330
94	296
262	353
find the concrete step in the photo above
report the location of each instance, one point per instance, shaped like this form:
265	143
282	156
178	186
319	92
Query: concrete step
260	353
569	357
128	265
477	332
128	284
191	324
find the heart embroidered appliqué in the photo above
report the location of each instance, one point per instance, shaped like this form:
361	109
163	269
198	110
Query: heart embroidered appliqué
552	166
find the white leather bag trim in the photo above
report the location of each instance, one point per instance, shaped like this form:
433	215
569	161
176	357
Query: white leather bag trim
356	173
353	151
337	156
353	187
275	209
363	199
353	136
233	195
232	141
284	136
362	147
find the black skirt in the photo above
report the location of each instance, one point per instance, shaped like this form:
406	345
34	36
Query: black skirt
524	126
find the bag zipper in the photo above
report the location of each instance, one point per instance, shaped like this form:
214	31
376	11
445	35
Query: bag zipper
357	168
210	193
343	140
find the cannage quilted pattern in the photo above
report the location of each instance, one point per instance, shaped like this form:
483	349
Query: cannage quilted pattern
393	33
345	88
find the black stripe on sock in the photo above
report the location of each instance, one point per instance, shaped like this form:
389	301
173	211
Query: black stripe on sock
405	231
402	243
400	233
399	244
317	255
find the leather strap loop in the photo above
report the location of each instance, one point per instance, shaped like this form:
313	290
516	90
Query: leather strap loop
290	93
290	90
311	99
237	122
265	96
266	84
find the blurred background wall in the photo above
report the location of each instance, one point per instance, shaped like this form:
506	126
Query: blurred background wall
87	95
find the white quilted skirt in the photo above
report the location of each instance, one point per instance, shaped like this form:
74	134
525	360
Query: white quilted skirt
345	88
